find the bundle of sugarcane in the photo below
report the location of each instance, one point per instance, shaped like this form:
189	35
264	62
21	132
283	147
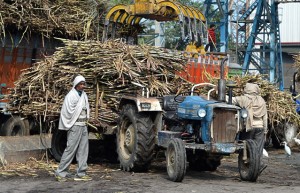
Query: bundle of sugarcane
111	69
280	104
71	18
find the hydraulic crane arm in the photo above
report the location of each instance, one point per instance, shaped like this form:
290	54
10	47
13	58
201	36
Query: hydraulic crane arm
191	20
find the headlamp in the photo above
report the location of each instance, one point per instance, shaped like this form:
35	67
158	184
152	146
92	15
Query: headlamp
201	112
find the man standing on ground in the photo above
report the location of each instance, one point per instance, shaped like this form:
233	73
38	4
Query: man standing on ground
257	121
211	38
73	116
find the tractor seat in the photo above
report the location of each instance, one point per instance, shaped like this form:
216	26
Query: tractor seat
170	106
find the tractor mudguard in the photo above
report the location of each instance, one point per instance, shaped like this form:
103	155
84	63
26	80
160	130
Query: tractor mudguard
142	103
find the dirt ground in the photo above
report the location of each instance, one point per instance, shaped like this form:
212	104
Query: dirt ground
282	176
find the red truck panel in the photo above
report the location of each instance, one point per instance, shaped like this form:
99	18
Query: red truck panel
197	69
12	61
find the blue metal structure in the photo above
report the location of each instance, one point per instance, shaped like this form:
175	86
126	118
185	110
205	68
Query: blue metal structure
263	47
218	9
256	35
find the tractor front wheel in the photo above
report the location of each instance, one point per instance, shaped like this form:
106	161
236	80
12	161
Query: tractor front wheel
176	160
249	163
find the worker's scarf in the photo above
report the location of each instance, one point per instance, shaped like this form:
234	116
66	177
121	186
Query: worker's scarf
254	103
72	106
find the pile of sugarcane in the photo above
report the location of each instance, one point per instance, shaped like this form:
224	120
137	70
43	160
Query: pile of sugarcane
64	18
280	104
112	69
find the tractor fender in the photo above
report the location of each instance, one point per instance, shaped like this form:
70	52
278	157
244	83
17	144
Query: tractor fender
143	104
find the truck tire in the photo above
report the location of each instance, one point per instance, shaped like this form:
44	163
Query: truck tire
284	132
275	140
58	143
176	160
290	131
249	168
14	126
135	139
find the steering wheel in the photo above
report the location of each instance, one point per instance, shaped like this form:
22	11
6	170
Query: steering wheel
181	96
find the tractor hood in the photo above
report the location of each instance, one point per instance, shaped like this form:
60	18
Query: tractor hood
189	108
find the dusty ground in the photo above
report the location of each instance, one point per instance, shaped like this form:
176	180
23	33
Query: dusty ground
282	175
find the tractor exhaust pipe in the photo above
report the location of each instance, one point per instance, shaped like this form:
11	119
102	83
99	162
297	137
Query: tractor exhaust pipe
222	82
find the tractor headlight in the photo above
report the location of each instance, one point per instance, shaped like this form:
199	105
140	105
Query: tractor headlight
201	112
244	113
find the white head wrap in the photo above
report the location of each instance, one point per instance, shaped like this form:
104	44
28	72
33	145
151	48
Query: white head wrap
77	80
73	105
254	103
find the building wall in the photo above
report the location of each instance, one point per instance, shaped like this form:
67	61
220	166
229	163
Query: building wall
289	15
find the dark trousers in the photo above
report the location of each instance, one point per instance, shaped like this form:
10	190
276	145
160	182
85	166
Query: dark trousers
257	134
211	46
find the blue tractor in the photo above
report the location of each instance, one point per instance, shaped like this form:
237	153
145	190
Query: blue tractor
195	131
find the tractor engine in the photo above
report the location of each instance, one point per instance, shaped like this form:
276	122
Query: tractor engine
200	120
212	121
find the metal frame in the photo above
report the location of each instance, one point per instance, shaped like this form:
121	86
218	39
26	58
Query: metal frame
257	38
212	9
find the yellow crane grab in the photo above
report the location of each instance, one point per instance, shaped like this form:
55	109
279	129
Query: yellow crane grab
191	20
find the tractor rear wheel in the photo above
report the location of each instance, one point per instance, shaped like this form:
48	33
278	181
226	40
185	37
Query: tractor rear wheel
14	126
249	166
135	139
176	160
